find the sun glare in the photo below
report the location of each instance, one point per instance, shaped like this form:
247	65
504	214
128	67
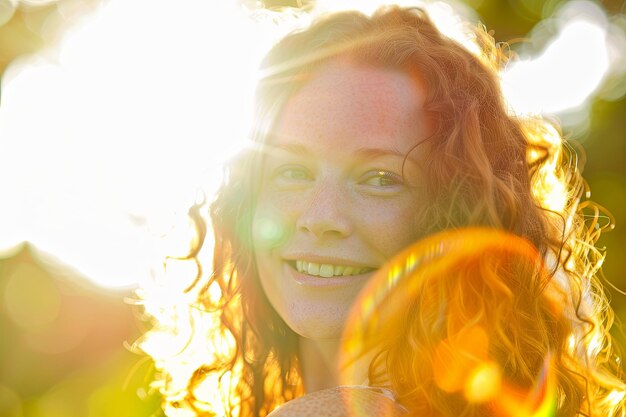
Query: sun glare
108	135
572	66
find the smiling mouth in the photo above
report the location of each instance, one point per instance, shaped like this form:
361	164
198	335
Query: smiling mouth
327	270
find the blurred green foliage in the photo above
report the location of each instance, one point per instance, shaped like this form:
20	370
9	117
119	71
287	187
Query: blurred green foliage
63	346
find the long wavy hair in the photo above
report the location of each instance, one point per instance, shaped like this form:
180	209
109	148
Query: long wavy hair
486	167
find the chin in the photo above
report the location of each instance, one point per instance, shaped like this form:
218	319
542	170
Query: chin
314	323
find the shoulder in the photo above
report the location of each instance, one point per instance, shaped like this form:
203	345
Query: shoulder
343	402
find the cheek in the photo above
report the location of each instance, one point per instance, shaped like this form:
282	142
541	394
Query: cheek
267	273
271	229
391	226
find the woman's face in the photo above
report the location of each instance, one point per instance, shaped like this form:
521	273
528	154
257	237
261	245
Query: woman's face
335	202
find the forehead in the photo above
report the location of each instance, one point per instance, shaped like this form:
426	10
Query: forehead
346	105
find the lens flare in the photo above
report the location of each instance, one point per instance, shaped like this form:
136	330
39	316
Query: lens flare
539	402
462	334
270	230
459	356
484	383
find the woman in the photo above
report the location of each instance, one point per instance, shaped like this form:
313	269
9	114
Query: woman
374	133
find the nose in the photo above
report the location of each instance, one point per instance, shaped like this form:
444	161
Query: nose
326	212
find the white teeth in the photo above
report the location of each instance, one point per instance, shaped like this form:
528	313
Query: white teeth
313	268
328	270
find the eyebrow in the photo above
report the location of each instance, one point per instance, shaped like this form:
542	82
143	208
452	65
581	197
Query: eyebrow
361	153
293	148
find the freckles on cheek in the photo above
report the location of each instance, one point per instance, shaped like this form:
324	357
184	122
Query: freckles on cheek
393	226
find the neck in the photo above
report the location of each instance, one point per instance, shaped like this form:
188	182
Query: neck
319	363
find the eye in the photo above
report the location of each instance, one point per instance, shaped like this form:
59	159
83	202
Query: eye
292	174
381	178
